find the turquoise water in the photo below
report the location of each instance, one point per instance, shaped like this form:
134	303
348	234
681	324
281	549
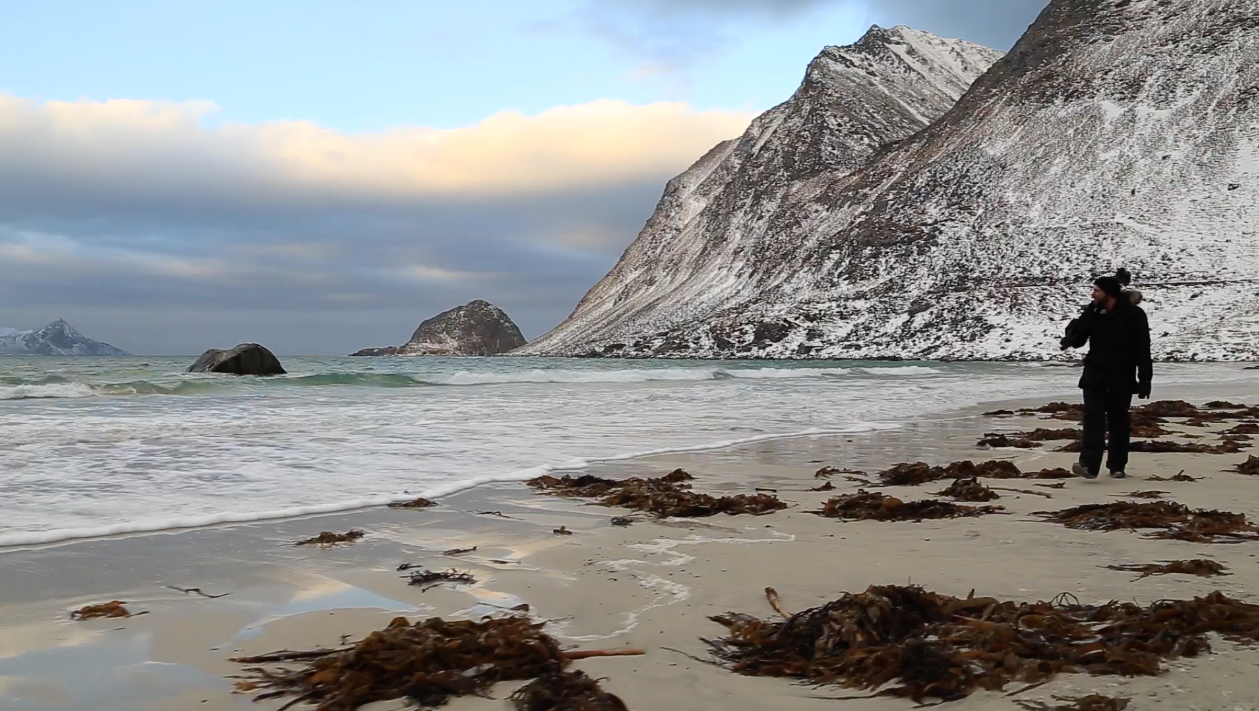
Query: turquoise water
91	446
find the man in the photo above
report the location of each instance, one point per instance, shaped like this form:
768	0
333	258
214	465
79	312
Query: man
1118	365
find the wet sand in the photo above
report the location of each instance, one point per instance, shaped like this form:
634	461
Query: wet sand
651	585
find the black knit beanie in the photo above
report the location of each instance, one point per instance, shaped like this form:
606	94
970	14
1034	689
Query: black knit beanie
1110	285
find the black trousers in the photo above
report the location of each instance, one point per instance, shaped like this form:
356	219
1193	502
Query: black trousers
1106	411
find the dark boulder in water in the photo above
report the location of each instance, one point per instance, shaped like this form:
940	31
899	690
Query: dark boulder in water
245	359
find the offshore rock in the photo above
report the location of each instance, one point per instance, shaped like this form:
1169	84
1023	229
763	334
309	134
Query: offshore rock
476	329
245	359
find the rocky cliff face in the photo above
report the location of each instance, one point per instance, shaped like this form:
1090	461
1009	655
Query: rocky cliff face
732	214
56	339
477	329
1115	133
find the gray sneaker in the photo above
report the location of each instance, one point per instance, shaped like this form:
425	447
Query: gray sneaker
1080	470
1118	474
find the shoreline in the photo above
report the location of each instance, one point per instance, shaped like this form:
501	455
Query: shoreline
36	539
651	585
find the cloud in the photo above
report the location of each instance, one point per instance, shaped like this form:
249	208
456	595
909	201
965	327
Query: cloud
150	230
152	147
669	36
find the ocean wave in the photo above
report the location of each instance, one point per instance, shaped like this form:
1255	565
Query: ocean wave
46	380
636	375
50	390
901	370
30	538
59	387
376	380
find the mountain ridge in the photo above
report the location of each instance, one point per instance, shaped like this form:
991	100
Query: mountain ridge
1113	134
58	338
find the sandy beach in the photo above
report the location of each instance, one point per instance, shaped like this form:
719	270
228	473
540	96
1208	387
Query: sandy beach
651	585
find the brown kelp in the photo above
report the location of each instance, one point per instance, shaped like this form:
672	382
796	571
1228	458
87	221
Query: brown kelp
1168	519
426	662
328	538
905	641
114	608
874	506
1029	440
1250	467
668	495
429	579
414	504
565	691
1092	702
969	490
913	474
1200	567
1145	494
1181	477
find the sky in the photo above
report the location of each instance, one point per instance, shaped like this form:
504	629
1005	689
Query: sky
321	176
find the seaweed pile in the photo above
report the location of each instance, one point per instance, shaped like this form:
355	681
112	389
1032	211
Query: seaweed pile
1173	521
565	691
969	490
414	504
904	641
328	538
913	474
1146	494
1201	568
1182	477
1147	421
1226	446
1092	702
429	579
997	440
1029	440
115	608
427	663
664	496
874	506
1250	467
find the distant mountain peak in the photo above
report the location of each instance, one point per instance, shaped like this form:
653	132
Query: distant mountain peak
722	228
58	338
862	219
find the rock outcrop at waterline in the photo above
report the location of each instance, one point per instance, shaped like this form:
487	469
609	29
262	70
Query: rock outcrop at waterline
56	339
1113	134
245	359
476	329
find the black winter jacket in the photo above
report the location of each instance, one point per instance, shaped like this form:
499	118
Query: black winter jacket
1119	346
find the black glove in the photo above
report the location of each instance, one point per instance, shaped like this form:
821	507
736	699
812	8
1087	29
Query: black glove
1143	390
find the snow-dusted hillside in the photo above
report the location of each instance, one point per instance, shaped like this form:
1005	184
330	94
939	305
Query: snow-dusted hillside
1113	134
56	339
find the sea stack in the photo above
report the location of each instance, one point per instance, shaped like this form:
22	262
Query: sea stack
476	329
245	359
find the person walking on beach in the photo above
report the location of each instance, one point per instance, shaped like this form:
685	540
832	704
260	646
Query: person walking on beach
1118	366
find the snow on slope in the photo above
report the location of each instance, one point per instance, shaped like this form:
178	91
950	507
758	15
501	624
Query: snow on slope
56	339
727	209
1115	133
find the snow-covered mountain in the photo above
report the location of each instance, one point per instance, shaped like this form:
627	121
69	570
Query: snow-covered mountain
56	339
1115	133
